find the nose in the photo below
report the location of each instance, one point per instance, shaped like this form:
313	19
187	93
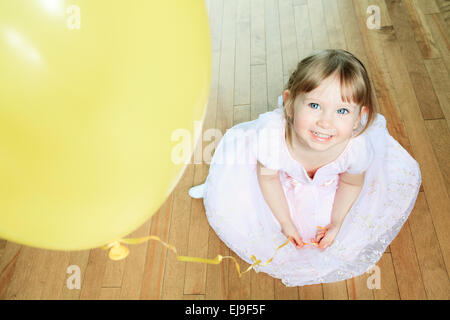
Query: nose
325	121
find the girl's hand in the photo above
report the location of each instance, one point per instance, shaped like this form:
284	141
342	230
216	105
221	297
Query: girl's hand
326	236
290	231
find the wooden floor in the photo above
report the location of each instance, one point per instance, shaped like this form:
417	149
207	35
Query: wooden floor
256	44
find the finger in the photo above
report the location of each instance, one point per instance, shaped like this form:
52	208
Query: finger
291	239
300	242
295	241
323	242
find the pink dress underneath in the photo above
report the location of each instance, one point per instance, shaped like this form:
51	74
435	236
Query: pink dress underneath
238	213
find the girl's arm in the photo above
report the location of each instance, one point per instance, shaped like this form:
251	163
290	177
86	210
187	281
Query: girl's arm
348	190
273	193
349	187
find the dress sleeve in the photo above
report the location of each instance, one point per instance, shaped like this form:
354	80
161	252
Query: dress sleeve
360	155
269	143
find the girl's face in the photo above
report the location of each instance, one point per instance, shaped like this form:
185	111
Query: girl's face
322	121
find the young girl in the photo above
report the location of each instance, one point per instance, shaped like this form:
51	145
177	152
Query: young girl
321	170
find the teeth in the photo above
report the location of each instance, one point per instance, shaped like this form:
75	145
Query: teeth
320	135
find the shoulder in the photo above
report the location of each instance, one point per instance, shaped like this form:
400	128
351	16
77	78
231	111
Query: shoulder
268	120
355	179
270	139
368	145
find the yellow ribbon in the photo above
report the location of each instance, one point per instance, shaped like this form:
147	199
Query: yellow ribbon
119	252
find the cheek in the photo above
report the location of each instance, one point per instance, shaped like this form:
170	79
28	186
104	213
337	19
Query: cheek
346	129
303	121
302	124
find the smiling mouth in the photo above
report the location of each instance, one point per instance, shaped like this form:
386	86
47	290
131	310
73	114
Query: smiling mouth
321	135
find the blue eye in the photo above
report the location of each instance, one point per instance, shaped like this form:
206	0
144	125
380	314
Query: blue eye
346	111
313	104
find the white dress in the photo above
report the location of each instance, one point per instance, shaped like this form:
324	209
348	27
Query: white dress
238	213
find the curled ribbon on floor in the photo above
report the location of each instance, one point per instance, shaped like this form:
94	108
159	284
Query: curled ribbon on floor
118	252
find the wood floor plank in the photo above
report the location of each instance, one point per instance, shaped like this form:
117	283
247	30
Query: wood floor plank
358	289
426	6
174	270
224	108
133	275
352	32
299	2
258	91
428	250
440	139
109	294
441	34
441	84
436	194
194	297
195	282
406	266
412	56
91	286
421	30
217	275
319	32
285	293
114	271
274	59
288	38
388	282
262	286
239	288
444	10
257	32
24	283
303	31
54	274
8	262
335	29
241	114
335	291
374	42
243	58
311	292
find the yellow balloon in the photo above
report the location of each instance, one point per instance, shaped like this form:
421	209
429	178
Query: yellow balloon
90	94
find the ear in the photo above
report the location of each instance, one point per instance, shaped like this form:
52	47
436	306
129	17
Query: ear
363	111
286	95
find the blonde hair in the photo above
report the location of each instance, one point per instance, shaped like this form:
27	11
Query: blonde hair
351	73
